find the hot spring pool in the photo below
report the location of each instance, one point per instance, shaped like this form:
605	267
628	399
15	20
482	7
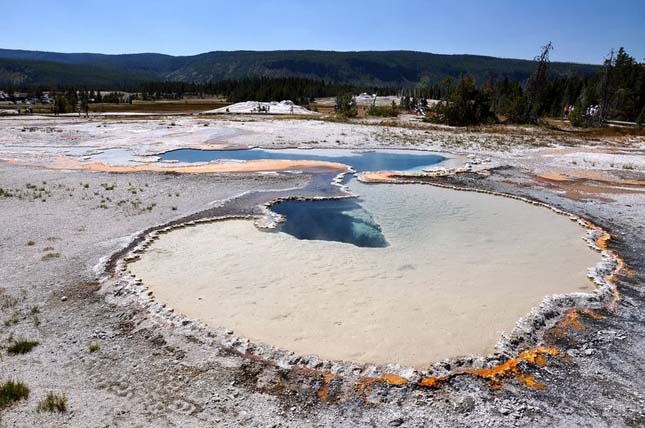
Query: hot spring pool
456	270
341	220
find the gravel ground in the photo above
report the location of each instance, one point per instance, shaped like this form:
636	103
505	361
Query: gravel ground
59	225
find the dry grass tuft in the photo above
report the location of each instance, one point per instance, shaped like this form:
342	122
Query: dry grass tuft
12	391
53	403
50	256
22	347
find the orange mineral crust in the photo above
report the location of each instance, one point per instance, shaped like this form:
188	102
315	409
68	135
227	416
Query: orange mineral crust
433	382
388	378
510	368
323	392
379	177
65	163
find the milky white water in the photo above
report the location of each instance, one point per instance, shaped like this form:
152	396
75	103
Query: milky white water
461	268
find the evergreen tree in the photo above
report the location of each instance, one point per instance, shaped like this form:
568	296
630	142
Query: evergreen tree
467	105
640	120
346	105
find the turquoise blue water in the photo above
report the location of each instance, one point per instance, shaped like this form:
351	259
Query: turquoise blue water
341	220
363	161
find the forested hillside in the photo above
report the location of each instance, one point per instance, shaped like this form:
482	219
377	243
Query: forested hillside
382	68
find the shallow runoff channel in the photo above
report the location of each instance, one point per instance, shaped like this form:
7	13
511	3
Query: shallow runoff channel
430	273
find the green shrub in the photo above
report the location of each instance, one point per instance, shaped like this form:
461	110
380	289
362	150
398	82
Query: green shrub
346	105
576	118
93	347
466	105
640	120
12	391
392	111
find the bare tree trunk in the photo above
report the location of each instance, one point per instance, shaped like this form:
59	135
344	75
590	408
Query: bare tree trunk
537	82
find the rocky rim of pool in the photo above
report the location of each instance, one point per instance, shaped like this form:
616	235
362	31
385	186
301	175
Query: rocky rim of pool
525	334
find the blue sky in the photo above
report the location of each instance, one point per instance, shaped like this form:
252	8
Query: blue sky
581	31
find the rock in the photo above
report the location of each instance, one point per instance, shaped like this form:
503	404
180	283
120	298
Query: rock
504	410
466	405
63	299
396	422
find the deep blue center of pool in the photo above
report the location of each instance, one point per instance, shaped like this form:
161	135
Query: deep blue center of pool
341	220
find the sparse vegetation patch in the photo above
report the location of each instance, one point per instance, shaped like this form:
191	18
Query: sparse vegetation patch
392	111
12	391
22	347
53	403
50	256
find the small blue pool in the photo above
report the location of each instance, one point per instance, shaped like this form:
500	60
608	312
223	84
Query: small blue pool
341	220
399	160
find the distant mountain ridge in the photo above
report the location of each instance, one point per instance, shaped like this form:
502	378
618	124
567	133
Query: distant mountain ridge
378	68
